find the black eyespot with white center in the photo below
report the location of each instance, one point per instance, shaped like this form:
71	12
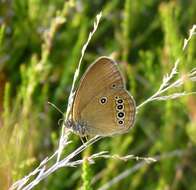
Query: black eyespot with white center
103	100
121	114
119	107
120	101
120	122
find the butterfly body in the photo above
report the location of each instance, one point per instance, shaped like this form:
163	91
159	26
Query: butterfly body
102	105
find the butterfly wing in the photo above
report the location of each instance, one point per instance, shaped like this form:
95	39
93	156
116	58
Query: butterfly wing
101	101
111	117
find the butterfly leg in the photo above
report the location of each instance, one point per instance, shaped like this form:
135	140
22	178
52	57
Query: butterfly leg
86	138
82	140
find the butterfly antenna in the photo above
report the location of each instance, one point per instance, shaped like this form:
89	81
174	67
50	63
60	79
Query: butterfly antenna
54	106
60	122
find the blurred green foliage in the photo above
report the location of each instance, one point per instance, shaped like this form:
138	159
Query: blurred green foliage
40	46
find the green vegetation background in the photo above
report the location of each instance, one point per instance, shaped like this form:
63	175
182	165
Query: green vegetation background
40	46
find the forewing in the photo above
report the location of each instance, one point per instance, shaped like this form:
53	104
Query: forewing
103	73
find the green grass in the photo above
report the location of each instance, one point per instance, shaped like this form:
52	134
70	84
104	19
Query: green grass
38	58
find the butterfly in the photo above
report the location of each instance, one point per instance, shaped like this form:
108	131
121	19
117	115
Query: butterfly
102	105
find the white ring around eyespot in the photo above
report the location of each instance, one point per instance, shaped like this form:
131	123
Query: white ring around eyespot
121	123
122	101
118	108
120	118
103	99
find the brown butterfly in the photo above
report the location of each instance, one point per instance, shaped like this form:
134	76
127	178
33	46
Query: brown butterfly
102	105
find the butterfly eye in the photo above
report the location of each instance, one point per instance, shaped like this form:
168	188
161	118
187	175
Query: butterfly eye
103	100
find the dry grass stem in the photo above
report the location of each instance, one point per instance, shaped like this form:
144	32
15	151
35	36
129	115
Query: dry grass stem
167	82
139	165
70	99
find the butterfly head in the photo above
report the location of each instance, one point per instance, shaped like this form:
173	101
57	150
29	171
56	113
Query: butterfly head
76	127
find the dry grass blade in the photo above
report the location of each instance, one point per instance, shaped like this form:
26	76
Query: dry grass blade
40	172
136	167
70	99
166	82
